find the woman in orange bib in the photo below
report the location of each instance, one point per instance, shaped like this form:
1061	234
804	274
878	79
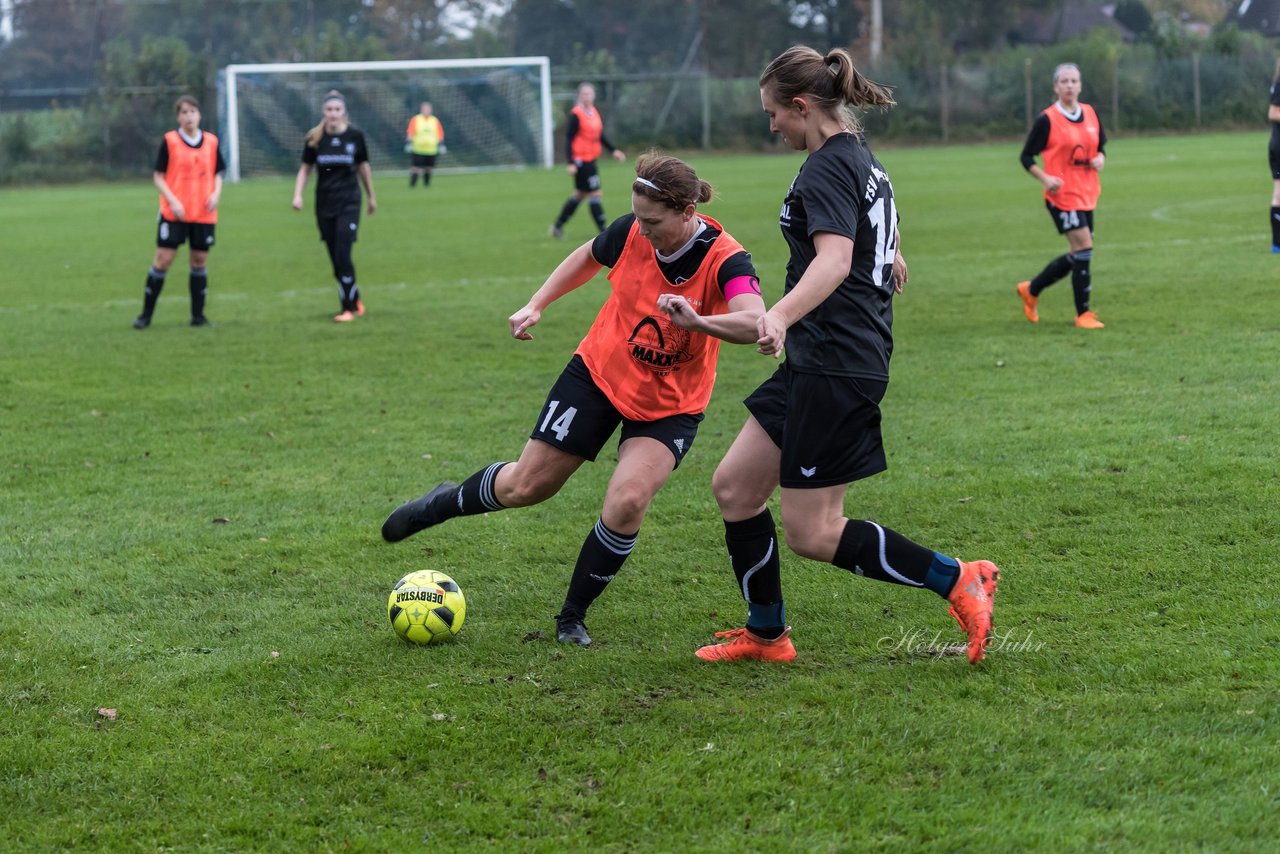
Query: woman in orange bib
188	174
1068	136
679	285
584	140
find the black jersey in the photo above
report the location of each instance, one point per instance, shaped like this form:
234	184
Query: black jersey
842	189
336	158
608	245
162	156
1275	126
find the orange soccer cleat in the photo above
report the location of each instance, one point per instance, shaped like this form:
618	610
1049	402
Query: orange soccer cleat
972	601
1028	302
744	644
359	308
1089	320
344	317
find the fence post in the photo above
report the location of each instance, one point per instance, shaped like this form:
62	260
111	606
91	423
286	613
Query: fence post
1026	85
944	103
1195	83
706	111
1115	92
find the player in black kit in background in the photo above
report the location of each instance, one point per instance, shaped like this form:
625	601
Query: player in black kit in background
338	149
1273	154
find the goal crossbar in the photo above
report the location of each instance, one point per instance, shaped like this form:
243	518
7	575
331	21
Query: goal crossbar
541	64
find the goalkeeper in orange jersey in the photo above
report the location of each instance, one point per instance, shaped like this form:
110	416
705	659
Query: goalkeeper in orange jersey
425	140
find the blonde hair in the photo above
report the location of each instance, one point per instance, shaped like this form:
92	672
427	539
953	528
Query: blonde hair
313	135
671	182
832	82
1063	67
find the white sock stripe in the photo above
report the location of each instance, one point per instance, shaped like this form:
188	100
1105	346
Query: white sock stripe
746	576
616	543
487	496
884	562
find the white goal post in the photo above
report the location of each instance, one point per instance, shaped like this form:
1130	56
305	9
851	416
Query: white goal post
496	112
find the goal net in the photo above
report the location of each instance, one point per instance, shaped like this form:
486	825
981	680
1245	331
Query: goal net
496	113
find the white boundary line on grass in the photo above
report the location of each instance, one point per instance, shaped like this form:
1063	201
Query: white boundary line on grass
1162	213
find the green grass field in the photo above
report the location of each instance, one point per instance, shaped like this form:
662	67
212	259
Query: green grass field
190	537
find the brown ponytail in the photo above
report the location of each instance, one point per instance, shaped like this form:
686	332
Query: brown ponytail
670	181
832	82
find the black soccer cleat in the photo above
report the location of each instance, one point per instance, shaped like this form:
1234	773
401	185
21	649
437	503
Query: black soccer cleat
416	515
572	630
142	322
199	320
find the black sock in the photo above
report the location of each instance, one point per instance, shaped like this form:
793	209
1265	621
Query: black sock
597	213
753	553
1081	281
1275	225
347	292
475	496
426	178
603	553
570	206
869	550
155	284
344	270
197	284
413	179
1052	272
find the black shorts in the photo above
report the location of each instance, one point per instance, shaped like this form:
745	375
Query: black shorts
344	226
828	428
1273	154
578	418
171	235
587	178
1066	221
422	161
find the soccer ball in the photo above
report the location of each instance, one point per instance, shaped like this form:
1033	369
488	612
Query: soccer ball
426	607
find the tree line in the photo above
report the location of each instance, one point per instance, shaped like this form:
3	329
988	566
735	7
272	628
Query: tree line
65	44
99	75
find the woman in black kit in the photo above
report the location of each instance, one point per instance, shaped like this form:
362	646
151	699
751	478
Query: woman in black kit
337	148
814	426
1273	152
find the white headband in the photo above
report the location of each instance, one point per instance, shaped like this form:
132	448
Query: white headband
649	184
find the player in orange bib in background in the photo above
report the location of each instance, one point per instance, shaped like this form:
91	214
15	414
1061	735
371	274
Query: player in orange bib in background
1069	137
679	285
584	139
188	174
